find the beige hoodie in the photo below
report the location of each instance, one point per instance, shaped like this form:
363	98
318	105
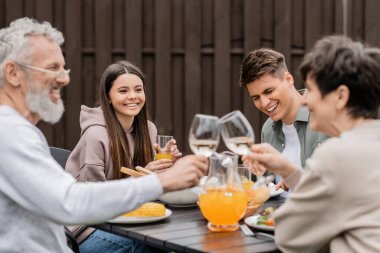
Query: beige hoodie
90	160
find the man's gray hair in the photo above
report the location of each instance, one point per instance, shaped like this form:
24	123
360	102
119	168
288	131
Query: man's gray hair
14	40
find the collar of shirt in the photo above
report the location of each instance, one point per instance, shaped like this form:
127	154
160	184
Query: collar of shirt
302	116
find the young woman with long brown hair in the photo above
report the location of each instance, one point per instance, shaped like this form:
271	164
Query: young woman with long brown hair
116	134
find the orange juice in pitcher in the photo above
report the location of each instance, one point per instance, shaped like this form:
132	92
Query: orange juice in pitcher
224	200
223	207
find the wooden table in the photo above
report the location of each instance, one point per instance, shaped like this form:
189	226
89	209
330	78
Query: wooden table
186	231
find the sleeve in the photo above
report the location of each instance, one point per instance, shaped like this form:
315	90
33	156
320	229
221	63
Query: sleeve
301	221
152	132
264	130
87	162
292	180
31	177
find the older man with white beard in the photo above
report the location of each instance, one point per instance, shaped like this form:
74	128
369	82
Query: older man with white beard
36	195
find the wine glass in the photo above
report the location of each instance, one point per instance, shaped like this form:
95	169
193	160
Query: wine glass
238	136
204	135
236	132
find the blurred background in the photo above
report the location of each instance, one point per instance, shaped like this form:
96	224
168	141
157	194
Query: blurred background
189	50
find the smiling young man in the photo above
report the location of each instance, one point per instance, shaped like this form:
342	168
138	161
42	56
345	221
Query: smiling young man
271	87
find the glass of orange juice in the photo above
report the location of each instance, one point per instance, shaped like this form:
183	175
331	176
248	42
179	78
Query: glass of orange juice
224	200
164	151
245	177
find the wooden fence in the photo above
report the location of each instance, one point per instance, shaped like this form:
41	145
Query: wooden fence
190	50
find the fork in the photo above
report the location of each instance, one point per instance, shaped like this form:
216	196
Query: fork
249	232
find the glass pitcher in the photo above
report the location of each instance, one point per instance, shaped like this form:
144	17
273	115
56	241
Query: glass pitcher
224	200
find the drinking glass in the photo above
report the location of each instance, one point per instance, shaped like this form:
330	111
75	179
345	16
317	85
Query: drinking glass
236	132
204	135
164	151
245	177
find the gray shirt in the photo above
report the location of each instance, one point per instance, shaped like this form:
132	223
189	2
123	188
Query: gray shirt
309	140
37	196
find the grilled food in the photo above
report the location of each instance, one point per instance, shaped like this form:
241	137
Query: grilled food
149	209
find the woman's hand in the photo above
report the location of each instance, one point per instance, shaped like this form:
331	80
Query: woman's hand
281	185
265	157
159	166
171	148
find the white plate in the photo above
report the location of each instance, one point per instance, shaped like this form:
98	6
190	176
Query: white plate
252	222
272	190
180	198
133	220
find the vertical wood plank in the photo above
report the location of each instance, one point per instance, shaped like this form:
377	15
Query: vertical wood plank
29	9
237	35
313	28
222	74
282	30
103	49
208	22
338	15
163	89
298	23
252	25
297	40
2	14
58	15
148	23
207	59
74	90
328	20
13	10
372	22
267	19
252	40
133	31
90	87
88	19
44	10
148	55
193	87
178	75
118	17
358	16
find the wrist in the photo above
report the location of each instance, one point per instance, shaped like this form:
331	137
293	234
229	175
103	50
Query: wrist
165	182
289	169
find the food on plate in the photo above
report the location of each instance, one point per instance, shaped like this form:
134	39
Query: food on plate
266	217
149	209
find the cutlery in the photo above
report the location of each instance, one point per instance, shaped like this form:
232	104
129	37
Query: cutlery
249	232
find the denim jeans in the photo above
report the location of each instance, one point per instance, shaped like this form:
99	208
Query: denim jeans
103	242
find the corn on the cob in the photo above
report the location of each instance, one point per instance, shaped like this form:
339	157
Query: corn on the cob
149	209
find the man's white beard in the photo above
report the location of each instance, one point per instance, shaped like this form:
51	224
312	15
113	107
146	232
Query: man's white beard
39	102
